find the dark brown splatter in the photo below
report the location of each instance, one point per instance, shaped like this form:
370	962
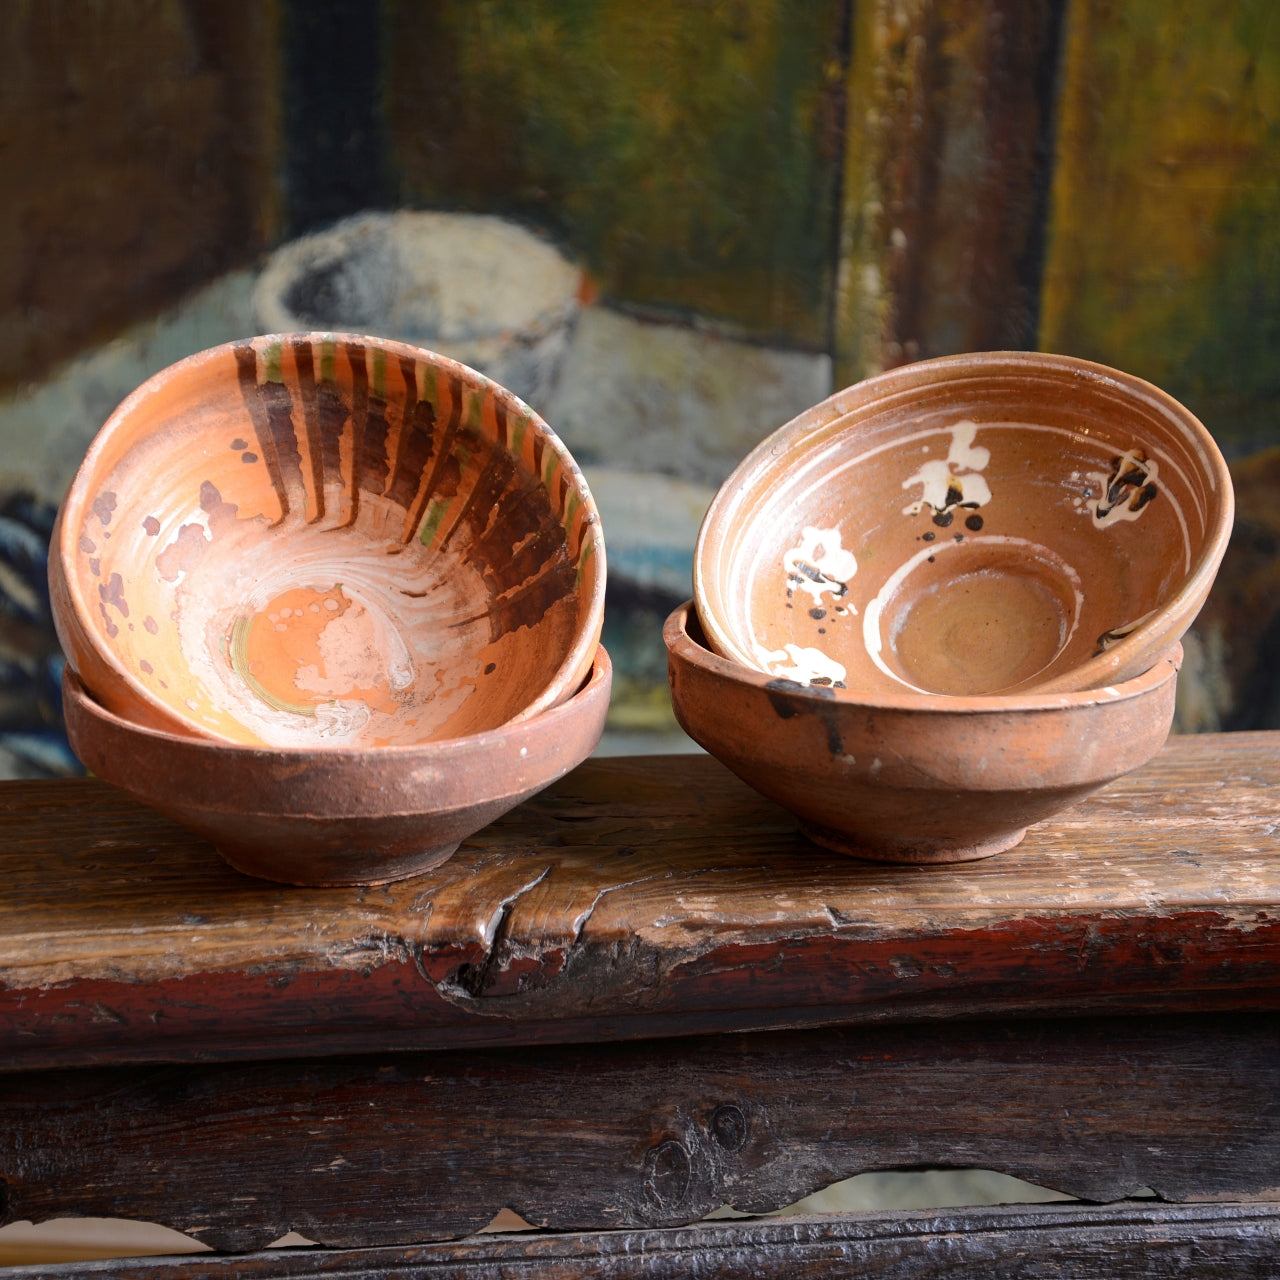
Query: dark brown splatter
87	545
111	629
237	444
104	506
248	456
146	667
112	592
151	525
151	624
95	567
973	522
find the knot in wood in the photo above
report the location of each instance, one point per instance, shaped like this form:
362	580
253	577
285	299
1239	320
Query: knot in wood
729	1126
666	1174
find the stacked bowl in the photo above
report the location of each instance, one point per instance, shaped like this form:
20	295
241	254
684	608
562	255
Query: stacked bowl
333	602
946	602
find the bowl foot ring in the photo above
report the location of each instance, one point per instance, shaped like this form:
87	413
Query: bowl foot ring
931	853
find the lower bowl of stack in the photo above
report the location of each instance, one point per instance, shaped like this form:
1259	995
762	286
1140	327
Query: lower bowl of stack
914	778
338	816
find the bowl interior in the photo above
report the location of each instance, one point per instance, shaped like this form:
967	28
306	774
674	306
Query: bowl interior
330	540
967	526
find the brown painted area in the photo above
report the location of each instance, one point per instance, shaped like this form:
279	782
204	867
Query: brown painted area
139	159
945	165
633	898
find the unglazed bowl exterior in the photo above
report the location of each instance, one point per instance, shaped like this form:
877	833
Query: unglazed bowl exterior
327	540
1005	522
908	779
317	817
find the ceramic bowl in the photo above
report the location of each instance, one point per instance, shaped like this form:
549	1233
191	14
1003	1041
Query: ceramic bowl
318	817
1005	522
907	779
327	540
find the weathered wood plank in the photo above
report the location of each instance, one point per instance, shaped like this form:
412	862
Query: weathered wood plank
386	1149
1229	1242
637	897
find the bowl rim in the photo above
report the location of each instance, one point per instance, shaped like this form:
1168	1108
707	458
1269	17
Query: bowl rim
348	758
577	662
684	646
827	416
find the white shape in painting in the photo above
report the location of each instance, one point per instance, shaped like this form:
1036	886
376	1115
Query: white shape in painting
820	565
939	477
807	665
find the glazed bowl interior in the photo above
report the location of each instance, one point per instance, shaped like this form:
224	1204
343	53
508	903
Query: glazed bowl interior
327	540
986	524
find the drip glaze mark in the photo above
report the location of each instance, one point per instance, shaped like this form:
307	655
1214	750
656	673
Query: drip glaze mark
417	434
304	359
247	372
443	456
359	424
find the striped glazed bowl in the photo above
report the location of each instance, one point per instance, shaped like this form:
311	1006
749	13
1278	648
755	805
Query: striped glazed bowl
323	539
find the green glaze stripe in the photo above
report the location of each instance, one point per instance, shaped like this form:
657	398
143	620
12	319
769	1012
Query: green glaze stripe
474	412
435	513
549	469
328	354
571	509
517	437
588	550
379	373
271	363
240	665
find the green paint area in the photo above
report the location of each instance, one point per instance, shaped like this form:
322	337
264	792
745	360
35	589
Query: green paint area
240	665
688	154
435	513
1164	253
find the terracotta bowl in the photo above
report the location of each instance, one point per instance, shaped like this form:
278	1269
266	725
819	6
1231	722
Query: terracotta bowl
319	817
997	523
327	540
907	779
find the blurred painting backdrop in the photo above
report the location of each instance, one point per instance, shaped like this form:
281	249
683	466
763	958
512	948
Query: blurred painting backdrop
767	198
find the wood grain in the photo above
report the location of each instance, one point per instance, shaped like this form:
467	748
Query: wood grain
1154	1242
636	897
395	1148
